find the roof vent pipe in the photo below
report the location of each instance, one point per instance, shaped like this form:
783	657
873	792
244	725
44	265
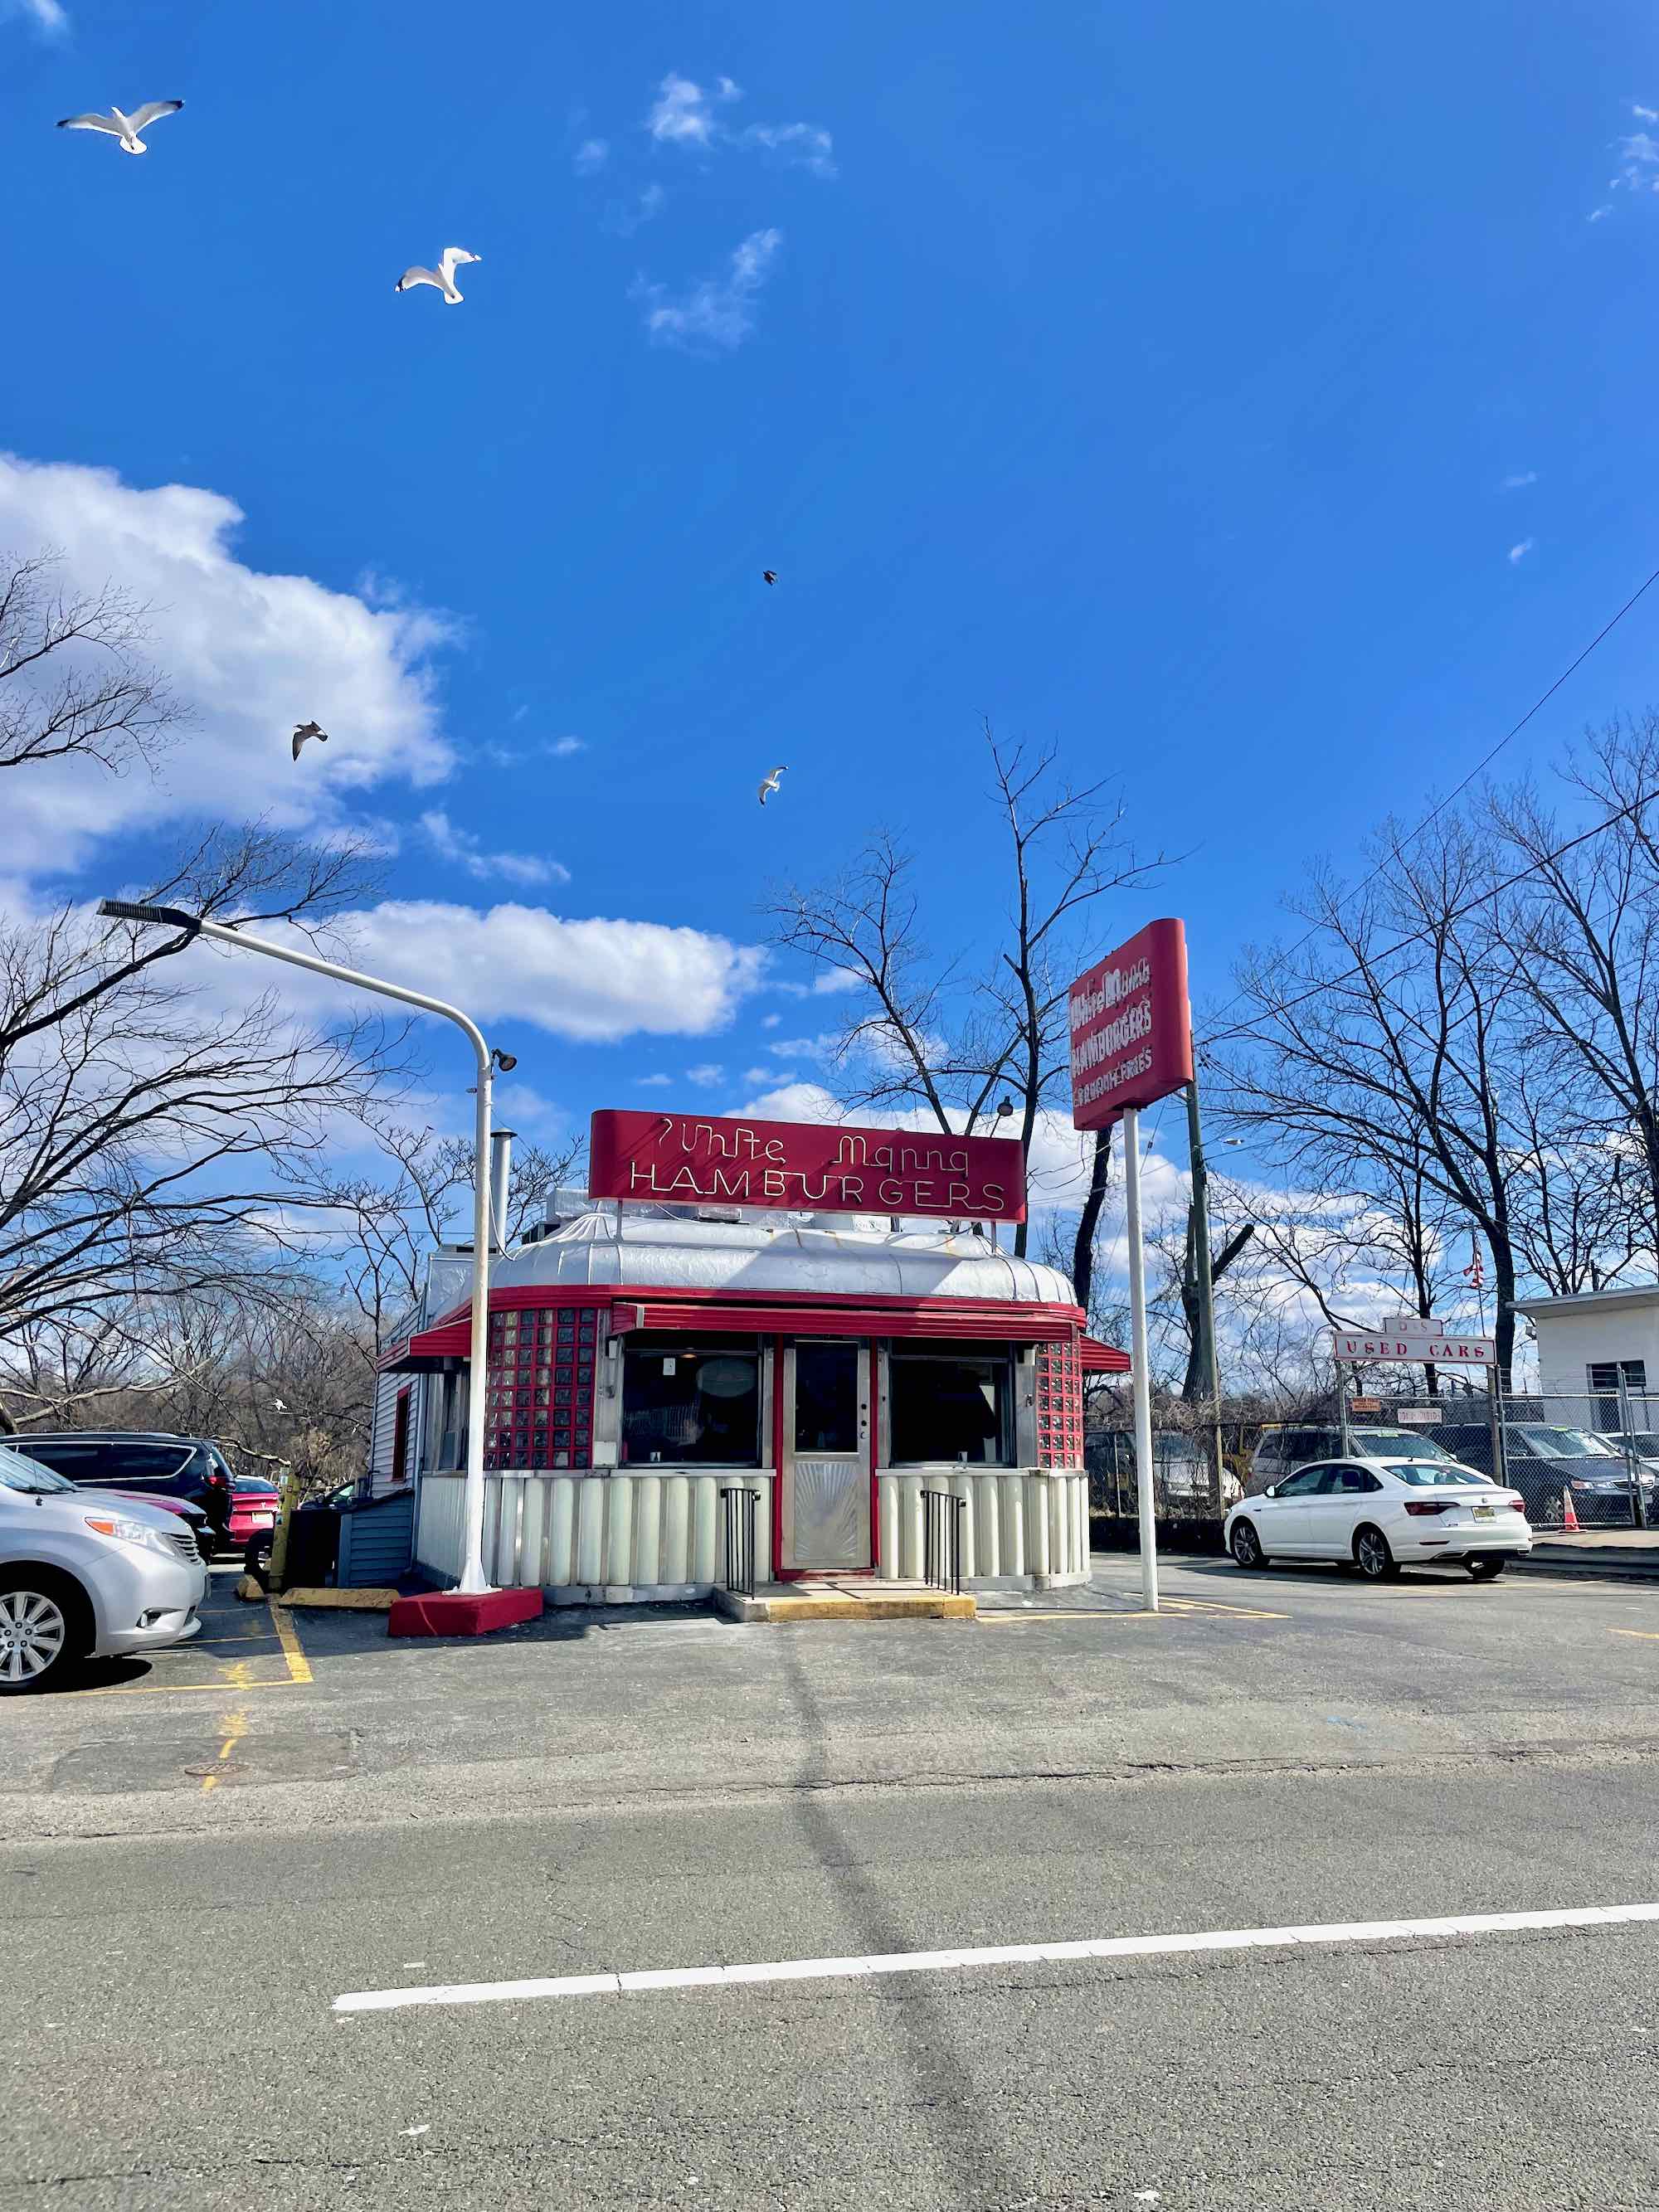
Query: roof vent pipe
501	1167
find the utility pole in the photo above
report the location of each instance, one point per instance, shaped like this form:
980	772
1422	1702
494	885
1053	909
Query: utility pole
1208	1364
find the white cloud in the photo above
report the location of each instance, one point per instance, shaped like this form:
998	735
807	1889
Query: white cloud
47	17
1519	481
1517	554
828	982
1597	215
561	748
826	1045
624	217
771	1021
1638	158
251	654
653	1082
753	1075
706	1075
463	849
591	155
717	314
1644	114
803	145
684	114
594	979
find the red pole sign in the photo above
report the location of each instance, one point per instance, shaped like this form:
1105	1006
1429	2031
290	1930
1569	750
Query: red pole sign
809	1167
1132	1029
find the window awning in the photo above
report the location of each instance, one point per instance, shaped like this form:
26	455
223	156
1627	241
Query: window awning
966	1320
1099	1357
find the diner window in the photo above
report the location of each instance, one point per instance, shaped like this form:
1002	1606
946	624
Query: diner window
954	1403
690	1405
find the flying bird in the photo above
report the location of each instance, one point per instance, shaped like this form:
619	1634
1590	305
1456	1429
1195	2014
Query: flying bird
771	783
443	276
303	729
770	575
124	127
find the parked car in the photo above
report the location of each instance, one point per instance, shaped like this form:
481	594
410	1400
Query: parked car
1182	1472
85	1574
1285	1446
1547	1464
153	1466
1382	1514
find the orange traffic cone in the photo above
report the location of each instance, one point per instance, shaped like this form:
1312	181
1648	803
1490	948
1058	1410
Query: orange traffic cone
1569	1518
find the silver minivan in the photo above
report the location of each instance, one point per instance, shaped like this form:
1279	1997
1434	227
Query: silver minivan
86	1574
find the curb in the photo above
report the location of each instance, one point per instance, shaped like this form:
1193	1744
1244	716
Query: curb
936	1606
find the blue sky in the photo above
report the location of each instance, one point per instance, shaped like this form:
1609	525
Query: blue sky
1146	380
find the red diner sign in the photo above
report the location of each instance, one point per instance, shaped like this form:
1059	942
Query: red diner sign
1132	1030
807	1167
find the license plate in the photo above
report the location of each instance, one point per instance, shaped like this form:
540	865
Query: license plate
1486	1513
269	1520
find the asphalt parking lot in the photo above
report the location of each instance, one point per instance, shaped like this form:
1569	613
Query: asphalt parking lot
200	1861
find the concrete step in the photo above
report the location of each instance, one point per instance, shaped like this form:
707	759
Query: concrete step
850	1597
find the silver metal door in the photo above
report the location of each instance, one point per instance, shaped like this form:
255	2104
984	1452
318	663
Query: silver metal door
825	1476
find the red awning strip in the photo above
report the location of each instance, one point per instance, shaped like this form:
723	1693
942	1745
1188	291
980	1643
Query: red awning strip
1100	1358
1003	1320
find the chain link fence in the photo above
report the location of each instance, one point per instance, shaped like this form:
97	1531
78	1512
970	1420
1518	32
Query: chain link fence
1184	1450
1587	1459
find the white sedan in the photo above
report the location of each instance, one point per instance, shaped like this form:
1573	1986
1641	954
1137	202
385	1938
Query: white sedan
1382	1514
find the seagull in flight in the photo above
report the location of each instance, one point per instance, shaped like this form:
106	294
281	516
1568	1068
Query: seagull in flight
124	127
443	276
303	729
771	783
769	575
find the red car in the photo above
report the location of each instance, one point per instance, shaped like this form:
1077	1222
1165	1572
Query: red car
168	1471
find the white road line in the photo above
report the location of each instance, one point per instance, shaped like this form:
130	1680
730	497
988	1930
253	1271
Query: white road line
996	1955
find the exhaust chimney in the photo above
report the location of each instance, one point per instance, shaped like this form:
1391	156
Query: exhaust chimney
501	1167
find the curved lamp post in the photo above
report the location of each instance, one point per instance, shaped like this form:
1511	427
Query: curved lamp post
472	1581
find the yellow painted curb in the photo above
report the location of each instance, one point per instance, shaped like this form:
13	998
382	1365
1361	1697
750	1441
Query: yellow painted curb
341	1601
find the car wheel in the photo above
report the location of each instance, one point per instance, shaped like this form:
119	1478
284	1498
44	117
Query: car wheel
1246	1546
1486	1570
1373	1556
44	1629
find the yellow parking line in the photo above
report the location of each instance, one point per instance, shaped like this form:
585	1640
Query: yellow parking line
1200	1608
1076	1613
184	1689
235	1728
1647	1635
299	1666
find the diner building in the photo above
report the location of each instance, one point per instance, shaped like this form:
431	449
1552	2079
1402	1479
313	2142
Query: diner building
647	1356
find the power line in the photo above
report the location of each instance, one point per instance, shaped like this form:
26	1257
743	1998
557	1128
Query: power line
1452	913
1397	851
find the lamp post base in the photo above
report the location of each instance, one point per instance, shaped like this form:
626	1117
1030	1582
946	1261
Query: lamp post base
462	1613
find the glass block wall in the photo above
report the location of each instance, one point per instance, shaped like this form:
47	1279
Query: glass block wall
539	1412
1059	1406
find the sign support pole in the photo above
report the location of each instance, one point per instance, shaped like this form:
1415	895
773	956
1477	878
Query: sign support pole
1145	1473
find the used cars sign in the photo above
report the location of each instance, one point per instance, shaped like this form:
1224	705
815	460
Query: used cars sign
1426	1342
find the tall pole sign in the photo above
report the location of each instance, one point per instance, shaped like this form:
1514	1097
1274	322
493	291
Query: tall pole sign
1132	1044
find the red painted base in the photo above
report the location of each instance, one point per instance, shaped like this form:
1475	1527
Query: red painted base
455	1612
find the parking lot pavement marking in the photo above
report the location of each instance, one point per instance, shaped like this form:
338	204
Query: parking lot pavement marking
1317	1936
298	1666
1647	1635
235	1729
185	1689
1199	1609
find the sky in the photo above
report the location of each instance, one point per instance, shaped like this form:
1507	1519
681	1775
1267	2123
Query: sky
1255	403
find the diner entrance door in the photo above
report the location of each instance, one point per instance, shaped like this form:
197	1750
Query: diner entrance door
824	1480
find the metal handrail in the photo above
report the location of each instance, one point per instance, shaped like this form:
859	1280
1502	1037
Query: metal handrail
941	1540
739	1503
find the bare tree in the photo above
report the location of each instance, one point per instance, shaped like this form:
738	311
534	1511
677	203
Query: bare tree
381	1227
1388	1034
72	681
943	1038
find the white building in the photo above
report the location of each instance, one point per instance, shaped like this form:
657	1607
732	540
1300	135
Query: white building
1588	1344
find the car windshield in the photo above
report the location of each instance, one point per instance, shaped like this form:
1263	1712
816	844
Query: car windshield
28	1476
1399	1443
1563	1444
107	1459
1437	1475
255	1486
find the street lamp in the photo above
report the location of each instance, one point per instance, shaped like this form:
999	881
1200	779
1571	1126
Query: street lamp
472	1582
